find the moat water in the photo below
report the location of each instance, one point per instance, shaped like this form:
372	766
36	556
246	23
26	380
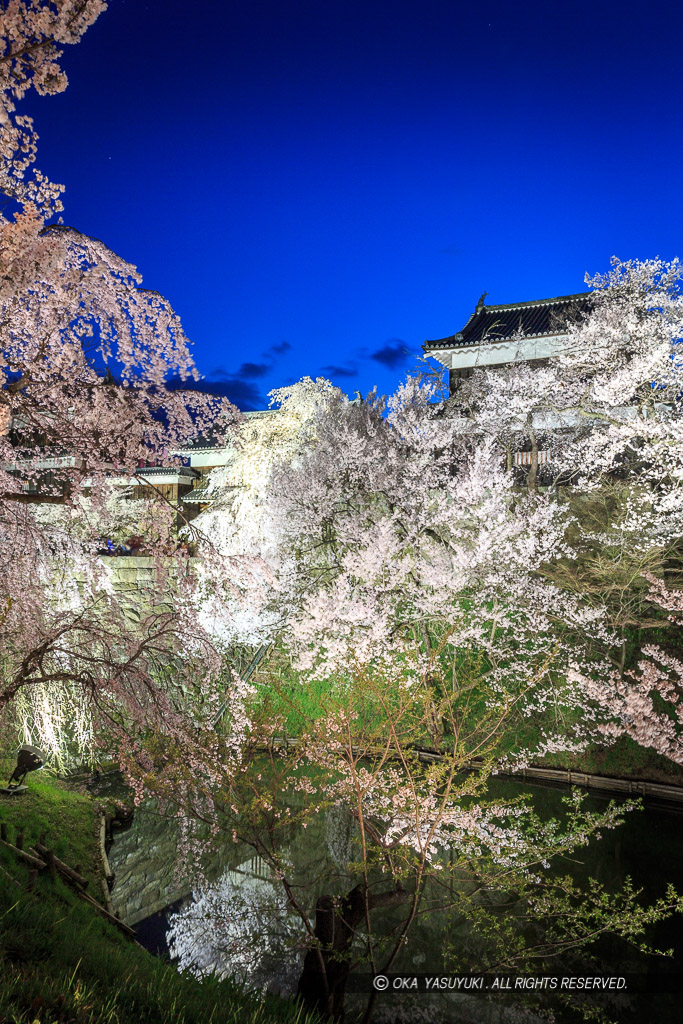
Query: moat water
647	848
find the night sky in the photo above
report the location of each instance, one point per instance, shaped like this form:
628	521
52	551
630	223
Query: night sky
320	185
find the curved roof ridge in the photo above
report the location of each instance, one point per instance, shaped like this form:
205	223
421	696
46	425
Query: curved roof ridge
537	302
533	318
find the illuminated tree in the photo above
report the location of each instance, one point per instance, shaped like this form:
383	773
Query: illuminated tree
608	410
415	631
85	358
422	835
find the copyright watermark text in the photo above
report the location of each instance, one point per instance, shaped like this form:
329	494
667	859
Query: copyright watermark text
502	983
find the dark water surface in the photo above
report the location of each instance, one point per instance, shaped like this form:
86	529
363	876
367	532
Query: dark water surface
647	848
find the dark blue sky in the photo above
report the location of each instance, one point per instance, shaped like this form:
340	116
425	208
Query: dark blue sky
319	185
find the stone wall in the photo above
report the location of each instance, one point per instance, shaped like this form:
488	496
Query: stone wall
134	579
144	859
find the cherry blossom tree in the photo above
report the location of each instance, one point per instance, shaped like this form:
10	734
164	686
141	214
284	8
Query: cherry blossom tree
237	528
86	353
422	836
647	700
409	594
608	403
608	410
404	533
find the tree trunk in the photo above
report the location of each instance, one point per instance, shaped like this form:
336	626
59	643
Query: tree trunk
327	965
435	724
325	970
533	472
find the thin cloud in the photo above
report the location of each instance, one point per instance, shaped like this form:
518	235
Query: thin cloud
339	371
237	384
250	371
393	355
242	393
219	373
253	371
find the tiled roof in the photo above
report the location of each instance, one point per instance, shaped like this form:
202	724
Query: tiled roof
184	471
206	494
198	445
198	495
532	319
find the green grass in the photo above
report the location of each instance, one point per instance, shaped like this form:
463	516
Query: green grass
62	962
625	759
300	704
66	817
297	704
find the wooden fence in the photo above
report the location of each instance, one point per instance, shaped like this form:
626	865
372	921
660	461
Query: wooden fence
559	776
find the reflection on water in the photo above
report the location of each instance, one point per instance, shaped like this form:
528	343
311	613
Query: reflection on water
239	925
239	922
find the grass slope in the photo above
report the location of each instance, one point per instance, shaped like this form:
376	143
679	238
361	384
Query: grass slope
62	962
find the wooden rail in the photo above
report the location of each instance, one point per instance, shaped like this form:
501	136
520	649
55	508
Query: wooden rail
561	776
48	861
557	776
609	784
34	862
